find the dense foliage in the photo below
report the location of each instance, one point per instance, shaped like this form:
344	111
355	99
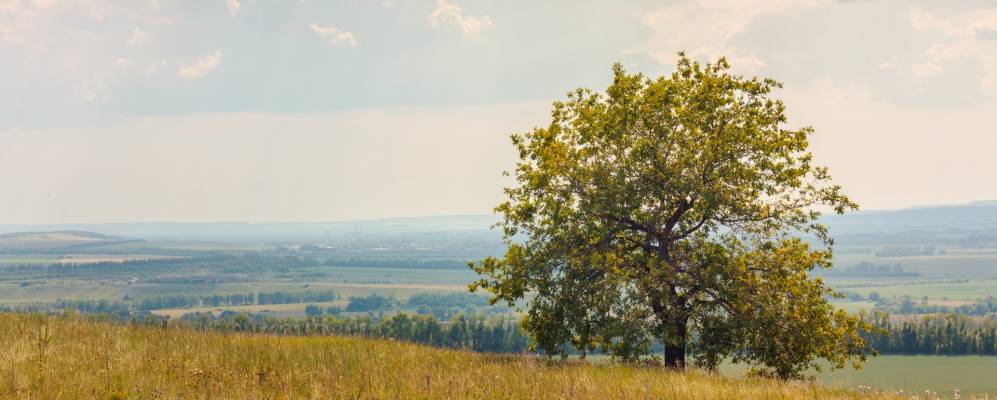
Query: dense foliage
907	305
277	297
669	210
371	302
944	334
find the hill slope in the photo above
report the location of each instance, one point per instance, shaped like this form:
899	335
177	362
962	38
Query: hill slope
51	239
94	360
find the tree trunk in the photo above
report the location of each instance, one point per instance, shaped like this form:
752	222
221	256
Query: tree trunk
675	348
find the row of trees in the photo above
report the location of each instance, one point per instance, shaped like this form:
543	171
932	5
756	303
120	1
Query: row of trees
396	263
908	305
946	334
908	251
441	305
278	297
129	306
869	269
472	332
314	310
111	309
246	263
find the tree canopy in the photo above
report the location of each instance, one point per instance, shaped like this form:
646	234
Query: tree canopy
680	209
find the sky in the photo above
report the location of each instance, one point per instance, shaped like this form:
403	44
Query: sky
267	111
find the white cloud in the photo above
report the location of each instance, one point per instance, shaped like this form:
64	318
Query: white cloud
925	70
335	36
704	28
963	39
447	12
233	7
887	64
152	68
202	67
939	51
7	34
138	37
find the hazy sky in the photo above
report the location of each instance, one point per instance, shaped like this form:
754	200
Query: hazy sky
245	110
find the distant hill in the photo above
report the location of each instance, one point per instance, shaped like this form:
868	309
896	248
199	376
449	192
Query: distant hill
981	215
56	236
49	239
926	222
260	232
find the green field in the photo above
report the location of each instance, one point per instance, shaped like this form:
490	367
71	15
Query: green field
955	263
914	374
935	290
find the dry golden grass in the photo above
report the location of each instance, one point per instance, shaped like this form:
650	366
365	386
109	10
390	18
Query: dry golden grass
68	358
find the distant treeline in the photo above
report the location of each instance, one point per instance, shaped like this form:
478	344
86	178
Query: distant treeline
475	332
396	263
182	301
96	246
128	306
869	269
441	305
979	241
471	332
112	309
908	305
908	251
947	334
167	269
372	302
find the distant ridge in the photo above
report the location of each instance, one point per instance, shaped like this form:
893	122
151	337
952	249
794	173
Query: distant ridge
978	203
977	216
62	235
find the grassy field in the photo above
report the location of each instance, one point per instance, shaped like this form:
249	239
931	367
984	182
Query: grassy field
281	310
913	374
952	290
71	359
347	281
955	263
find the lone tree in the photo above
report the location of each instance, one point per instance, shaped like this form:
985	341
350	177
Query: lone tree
674	210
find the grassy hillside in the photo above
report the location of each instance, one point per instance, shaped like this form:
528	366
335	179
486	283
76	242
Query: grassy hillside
68	358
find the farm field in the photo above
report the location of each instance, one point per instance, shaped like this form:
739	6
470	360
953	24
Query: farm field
98	258
955	263
14	292
279	310
966	290
392	276
913	374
